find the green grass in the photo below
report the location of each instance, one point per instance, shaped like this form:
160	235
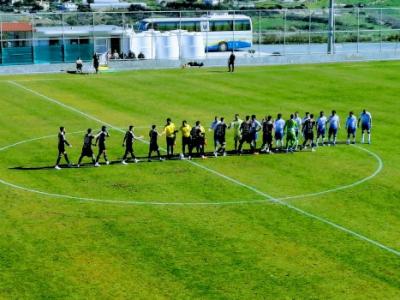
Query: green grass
52	247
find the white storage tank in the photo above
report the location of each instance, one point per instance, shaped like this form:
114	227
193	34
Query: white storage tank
144	42
167	46
192	46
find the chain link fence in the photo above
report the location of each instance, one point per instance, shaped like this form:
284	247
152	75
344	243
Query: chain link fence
63	37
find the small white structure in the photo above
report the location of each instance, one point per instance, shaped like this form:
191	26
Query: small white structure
102	5
44	4
212	2
69	6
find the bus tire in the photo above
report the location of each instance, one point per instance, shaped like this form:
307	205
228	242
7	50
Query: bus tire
222	47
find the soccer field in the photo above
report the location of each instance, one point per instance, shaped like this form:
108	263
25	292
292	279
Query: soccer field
308	225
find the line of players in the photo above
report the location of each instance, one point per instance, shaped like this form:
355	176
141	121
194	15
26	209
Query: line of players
244	131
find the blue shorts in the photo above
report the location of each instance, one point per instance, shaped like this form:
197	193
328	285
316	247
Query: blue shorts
351	131
321	131
254	135
332	131
278	135
366	127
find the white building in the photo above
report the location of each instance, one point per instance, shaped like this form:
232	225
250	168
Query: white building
212	2
69	6
103	5
99	38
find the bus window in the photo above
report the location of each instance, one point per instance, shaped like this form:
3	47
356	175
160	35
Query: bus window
223	25
143	26
242	25
166	26
190	26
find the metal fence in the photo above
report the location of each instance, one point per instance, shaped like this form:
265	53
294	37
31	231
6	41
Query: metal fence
275	32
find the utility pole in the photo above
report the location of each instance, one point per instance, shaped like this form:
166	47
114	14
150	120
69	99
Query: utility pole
331	27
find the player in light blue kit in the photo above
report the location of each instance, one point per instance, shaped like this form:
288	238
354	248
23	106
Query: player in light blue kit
366	124
334	125
279	126
299	122
351	126
321	128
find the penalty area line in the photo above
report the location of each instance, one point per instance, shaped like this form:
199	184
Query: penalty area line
237	182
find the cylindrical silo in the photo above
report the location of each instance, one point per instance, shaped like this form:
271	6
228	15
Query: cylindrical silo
193	46
167	46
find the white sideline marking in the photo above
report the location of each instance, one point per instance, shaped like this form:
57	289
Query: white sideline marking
267	196
68	107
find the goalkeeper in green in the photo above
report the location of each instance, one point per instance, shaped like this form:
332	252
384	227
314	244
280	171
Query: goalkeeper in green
291	139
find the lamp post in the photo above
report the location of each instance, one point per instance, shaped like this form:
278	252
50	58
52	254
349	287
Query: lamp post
331	27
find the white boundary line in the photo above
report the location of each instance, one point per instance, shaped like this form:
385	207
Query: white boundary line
267	196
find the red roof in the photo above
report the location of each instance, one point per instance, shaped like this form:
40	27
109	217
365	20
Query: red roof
16	26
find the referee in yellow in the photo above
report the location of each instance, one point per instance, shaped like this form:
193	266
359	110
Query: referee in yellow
186	139
170	133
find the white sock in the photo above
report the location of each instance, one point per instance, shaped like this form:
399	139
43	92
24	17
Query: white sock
362	140
369	138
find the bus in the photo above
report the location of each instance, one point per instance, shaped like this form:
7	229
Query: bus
221	32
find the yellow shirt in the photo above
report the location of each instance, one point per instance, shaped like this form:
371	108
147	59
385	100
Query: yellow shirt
186	130
169	130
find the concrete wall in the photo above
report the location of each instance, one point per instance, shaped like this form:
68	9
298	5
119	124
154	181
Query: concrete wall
209	62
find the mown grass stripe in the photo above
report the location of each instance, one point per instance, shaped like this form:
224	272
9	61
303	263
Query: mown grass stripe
267	196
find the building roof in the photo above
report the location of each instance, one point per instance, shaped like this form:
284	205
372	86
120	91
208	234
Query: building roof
88	30
15	26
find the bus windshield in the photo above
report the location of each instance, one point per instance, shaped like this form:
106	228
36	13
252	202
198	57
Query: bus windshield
143	26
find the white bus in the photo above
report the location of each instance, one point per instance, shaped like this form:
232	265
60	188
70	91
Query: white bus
222	32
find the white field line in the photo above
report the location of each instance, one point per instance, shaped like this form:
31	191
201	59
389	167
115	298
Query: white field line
122	202
181	203
267	196
347	186
106	200
32	140
69	107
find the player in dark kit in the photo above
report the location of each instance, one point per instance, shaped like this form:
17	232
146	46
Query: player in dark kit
61	148
308	132
96	63
198	135
129	138
153	146
231	62
245	128
219	133
267	128
87	147
101	141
